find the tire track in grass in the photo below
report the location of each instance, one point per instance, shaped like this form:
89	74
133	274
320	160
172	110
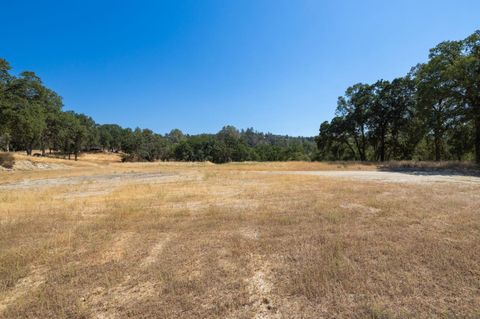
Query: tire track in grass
260	285
262	301
104	302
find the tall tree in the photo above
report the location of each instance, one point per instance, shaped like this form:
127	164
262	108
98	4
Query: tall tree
405	126
29	120
334	142
436	103
354	109
379	116
465	72
72	134
5	105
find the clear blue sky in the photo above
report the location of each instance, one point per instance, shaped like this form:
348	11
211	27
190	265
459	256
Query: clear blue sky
197	65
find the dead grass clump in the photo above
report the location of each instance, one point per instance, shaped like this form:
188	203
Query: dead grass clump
6	160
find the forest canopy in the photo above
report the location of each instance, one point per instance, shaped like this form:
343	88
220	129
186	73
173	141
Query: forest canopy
31	118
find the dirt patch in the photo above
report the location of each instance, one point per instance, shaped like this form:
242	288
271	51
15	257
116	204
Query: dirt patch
260	285
117	248
410	177
24	287
249	233
360	208
84	193
104	302
31	166
155	252
262	302
113	179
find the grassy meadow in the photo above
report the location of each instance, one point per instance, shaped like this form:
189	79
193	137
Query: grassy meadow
102	239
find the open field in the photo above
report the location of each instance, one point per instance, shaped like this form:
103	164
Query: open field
102	239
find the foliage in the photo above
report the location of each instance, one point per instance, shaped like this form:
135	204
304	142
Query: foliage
31	117
432	113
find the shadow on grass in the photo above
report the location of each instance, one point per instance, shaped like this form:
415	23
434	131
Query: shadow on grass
432	168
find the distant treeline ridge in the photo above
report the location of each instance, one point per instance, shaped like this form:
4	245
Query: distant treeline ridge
31	117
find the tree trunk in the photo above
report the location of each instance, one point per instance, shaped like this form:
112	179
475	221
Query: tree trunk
352	150
437	142
357	145
382	146
76	156
364	143
394	150
360	148
30	147
477	136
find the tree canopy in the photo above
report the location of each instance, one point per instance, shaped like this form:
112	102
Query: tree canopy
432	113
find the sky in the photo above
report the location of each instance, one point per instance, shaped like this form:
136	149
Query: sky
277	66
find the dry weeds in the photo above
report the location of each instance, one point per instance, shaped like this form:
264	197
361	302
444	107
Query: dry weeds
227	241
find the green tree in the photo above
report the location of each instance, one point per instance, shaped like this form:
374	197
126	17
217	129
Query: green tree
379	116
5	105
436	104
461	65
406	129
354	109
175	136
334	141
184	152
73	134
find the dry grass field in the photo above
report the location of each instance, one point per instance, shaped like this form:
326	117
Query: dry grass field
102	239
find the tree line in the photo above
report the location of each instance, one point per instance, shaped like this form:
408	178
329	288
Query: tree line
32	118
432	113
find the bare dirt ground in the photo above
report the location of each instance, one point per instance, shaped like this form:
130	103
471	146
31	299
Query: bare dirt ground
100	179
101	239
405	177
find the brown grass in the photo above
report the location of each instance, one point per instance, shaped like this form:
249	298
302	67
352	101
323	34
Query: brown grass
229	242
